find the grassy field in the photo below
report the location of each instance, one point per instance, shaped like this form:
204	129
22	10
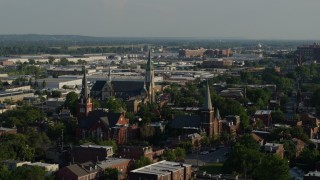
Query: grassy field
212	168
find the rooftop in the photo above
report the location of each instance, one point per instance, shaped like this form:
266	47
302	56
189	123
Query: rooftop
109	162
263	112
161	168
96	146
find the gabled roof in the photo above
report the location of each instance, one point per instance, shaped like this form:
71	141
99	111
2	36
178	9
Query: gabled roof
77	170
98	85
120	86
109	119
185	121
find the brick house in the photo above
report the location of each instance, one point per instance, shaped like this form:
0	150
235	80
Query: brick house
4	130
275	149
265	116
94	153
124	166
90	170
161	171
82	171
135	152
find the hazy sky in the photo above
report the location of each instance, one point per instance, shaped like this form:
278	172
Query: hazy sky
254	19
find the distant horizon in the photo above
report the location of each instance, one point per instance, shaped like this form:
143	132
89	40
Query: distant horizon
164	37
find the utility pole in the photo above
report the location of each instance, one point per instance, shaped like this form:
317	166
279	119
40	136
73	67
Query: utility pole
62	140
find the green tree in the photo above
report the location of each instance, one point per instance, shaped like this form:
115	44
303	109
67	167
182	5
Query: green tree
272	167
71	102
4	173
169	155
44	84
109	143
115	105
64	62
28	172
56	94
51	60
111	173
142	161
278	117
31	61
147	132
180	153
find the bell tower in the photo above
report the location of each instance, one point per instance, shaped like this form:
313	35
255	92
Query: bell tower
85	104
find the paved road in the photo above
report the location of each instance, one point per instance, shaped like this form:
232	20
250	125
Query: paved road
217	156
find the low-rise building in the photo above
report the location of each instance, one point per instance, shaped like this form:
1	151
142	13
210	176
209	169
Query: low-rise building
275	149
122	165
4	130
265	116
162	170
94	153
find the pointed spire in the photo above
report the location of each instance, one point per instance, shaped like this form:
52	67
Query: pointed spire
207	102
85	94
217	114
149	62
109	74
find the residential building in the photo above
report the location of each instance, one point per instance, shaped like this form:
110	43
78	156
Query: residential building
265	116
124	166
135	152
4	131
162	170
84	171
275	149
310	52
94	153
217	63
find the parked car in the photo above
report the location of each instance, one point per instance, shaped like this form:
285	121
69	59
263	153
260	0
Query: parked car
204	152
212	149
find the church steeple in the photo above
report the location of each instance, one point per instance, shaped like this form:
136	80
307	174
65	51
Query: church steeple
109	83
207	114
207	102
85	93
85	104
109	75
149	78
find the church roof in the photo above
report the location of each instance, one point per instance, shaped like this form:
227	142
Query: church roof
185	121
109	119
98	85
120	86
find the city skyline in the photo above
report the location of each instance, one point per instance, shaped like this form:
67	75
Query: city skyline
246	19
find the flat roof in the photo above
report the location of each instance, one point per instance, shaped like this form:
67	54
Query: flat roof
96	146
111	161
263	112
41	164
161	168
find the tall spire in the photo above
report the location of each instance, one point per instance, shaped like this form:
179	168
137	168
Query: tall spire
207	102
85	94
109	74
149	78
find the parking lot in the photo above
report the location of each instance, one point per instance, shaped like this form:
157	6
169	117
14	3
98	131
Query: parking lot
216	156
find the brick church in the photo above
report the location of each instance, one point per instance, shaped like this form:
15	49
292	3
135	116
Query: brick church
98	124
206	121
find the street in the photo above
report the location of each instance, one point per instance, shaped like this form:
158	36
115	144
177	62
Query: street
217	156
